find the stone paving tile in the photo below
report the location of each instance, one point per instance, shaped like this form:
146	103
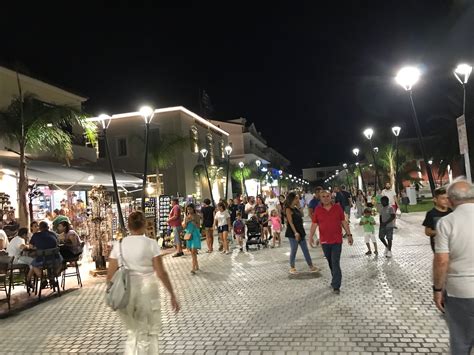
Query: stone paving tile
246	303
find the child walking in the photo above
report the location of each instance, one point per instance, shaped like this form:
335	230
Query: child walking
387	219
441	208
239	230
369	230
275	221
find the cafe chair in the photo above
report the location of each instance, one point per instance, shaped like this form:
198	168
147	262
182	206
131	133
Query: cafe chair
50	271
6	275
74	263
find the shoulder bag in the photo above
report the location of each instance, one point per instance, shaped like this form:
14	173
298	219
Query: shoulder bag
118	293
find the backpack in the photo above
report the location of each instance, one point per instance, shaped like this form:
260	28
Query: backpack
239	227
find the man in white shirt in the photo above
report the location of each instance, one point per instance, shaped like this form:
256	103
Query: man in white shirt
453	267
17	245
3	238
392	199
250	207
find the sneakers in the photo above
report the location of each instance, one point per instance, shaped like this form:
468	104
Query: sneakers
241	249
389	254
177	255
293	271
336	291
376	252
314	269
368	253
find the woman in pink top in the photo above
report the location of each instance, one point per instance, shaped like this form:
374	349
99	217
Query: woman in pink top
275	221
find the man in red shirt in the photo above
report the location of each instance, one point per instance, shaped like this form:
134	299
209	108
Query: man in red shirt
331	219
174	221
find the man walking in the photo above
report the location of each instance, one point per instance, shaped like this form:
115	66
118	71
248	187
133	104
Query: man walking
453	267
330	219
174	221
344	198
392	199
315	201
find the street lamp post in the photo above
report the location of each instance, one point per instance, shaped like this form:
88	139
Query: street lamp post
241	166
356	151
147	113
349	186
228	152
258	163
407	77
396	131
464	70
204	155
105	121
368	133
280	176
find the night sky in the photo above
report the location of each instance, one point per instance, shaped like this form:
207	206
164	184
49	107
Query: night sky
310	76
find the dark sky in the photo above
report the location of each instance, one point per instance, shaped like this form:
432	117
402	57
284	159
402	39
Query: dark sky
311	76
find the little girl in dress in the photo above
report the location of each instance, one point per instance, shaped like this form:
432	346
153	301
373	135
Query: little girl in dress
275	220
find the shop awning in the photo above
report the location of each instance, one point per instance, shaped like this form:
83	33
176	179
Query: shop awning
48	173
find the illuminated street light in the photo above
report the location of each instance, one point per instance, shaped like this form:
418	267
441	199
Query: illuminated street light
407	77
464	71
204	153
396	132
241	165
355	151
344	165
147	113
368	133
258	162
228	152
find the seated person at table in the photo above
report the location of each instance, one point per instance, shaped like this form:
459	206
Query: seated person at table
17	245
3	238
34	228
70	239
59	216
44	239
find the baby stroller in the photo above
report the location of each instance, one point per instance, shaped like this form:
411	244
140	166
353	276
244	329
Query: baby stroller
254	234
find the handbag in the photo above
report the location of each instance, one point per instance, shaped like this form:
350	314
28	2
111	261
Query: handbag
118	293
188	236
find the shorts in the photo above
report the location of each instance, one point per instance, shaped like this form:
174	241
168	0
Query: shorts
385	232
176	233
224	228
369	237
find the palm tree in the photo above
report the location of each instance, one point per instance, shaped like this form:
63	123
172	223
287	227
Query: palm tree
163	154
36	126
386	161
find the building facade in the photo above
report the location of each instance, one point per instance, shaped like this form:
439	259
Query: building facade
184	174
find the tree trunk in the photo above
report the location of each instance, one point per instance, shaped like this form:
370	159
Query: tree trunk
23	190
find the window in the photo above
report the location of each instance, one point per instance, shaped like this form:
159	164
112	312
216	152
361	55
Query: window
194	139
122	147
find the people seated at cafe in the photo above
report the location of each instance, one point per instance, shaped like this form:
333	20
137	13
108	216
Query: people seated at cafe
42	240
3	238
59	216
34	227
17	246
70	243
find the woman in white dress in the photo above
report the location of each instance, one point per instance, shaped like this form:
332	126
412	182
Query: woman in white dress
142	316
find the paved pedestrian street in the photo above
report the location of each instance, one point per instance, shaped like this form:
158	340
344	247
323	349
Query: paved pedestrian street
247	303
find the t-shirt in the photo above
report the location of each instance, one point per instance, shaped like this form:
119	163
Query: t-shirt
343	198
391	196
207	216
138	253
272	204
330	223
368	227
433	216
175	212
14	248
4	237
250	210
455	236
222	217
313	203
385	213
44	240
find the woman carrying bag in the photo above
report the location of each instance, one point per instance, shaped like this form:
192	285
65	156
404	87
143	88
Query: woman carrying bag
140	255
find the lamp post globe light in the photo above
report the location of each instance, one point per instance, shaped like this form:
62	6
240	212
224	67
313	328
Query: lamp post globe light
258	163
204	153
462	73
147	113
368	133
105	122
407	77
228	152
241	166
396	132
